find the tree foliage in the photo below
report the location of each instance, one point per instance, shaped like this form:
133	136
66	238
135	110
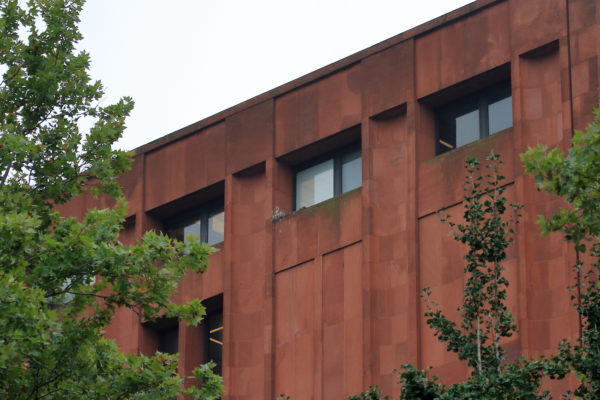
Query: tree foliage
486	320
485	317
62	279
575	177
372	394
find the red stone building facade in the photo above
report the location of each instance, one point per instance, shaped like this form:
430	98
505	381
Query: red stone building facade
320	299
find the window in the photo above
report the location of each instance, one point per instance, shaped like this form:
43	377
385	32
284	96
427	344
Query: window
207	224
473	117
329	176
213	332
168	340
165	335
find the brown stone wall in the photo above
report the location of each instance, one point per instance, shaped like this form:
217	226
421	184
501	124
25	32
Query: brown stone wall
322	302
318	110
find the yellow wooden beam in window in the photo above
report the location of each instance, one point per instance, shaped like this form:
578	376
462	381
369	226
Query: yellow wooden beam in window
216	329
448	145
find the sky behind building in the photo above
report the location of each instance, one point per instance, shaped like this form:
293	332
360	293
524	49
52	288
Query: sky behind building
184	60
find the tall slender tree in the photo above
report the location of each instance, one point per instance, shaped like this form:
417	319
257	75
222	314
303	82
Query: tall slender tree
486	320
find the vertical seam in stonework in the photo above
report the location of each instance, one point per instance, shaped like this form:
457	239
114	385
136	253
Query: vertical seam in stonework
419	360
570	65
571	99
271	169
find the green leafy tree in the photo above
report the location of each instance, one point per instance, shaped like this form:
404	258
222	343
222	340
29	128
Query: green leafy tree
575	177
61	279
486	320
372	394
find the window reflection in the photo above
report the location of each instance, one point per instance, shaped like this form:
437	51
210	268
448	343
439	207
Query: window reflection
206	225
473	117
500	115
351	171
216	227
467	128
314	184
338	174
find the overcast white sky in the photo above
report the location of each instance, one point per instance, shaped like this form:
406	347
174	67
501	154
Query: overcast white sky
184	60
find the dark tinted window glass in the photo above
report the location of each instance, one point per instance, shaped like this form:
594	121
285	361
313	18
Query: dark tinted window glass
329	177
314	184
206	225
214	333
473	117
192	231
500	115
351	171
168	340
467	128
216	227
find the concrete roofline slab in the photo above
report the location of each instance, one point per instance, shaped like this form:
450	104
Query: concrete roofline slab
320	73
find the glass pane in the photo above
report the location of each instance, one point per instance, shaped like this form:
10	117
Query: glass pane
314	184
500	115
351	171
191	229
467	128
216	227
176	233
168	341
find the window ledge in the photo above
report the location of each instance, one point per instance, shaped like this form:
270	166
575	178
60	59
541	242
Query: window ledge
475	145
218	246
279	215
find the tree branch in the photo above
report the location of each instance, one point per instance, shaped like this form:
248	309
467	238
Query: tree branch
7	172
